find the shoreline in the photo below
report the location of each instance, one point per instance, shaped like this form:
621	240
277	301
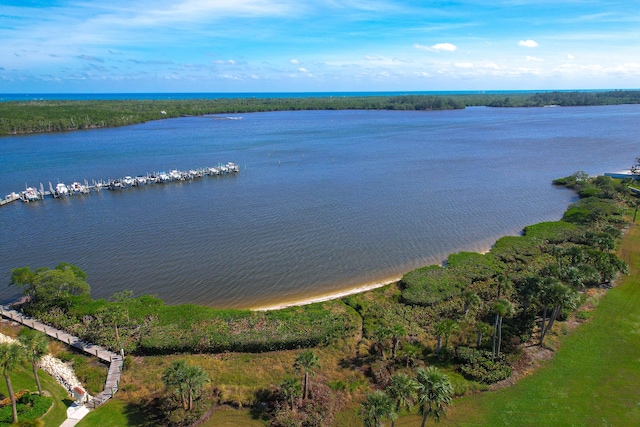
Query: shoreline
340	294
326	297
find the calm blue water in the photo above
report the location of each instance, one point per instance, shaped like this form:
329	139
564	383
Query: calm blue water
325	200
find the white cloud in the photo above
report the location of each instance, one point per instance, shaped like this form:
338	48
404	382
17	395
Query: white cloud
569	56
439	47
448	47
303	70
464	65
294	61
533	58
528	43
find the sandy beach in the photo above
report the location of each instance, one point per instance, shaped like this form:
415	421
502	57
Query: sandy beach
336	295
327	297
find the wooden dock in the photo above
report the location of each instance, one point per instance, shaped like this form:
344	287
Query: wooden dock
114	360
61	190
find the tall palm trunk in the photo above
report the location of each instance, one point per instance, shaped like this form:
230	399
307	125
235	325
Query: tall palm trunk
495	336
394	352
424	419
425	412
543	325
499	337
552	318
35	374
12	397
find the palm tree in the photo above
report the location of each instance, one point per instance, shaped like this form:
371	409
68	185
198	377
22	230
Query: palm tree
471	299
376	407
185	380
290	389
444	329
35	344
556	295
434	392
195	379
307	362
11	355
403	390
397	333
502	308
174	378
481	329
381	336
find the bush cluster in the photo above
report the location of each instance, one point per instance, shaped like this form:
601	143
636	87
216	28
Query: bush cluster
29	407
477	365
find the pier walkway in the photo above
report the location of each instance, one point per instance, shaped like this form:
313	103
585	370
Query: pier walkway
114	360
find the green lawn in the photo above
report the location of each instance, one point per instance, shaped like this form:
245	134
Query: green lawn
23	380
117	413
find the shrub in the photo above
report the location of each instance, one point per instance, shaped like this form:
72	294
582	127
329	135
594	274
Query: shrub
29	406
477	365
430	285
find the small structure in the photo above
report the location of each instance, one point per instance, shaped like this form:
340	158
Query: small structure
80	395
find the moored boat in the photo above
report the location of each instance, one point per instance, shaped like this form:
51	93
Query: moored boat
61	190
128	181
30	194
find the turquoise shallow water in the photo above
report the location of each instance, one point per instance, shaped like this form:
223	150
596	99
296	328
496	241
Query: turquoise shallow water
325	200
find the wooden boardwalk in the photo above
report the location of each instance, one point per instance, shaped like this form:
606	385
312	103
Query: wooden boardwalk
113	359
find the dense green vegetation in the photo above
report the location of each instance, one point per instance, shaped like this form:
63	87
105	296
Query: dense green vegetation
566	99
50	116
593	379
146	325
55	116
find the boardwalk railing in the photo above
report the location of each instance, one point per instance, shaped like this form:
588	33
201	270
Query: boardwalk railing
114	360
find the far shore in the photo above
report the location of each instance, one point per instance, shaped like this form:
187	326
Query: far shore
327	297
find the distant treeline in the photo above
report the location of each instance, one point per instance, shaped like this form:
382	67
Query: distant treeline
57	116
565	99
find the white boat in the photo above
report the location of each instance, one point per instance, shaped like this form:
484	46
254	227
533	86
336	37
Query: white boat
128	181
175	175
76	187
116	184
30	194
140	180
61	190
163	177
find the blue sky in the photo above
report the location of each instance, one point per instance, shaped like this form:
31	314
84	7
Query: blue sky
58	46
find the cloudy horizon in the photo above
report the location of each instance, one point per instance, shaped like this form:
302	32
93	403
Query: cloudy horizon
76	46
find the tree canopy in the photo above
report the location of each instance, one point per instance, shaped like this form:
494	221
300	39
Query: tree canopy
48	287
